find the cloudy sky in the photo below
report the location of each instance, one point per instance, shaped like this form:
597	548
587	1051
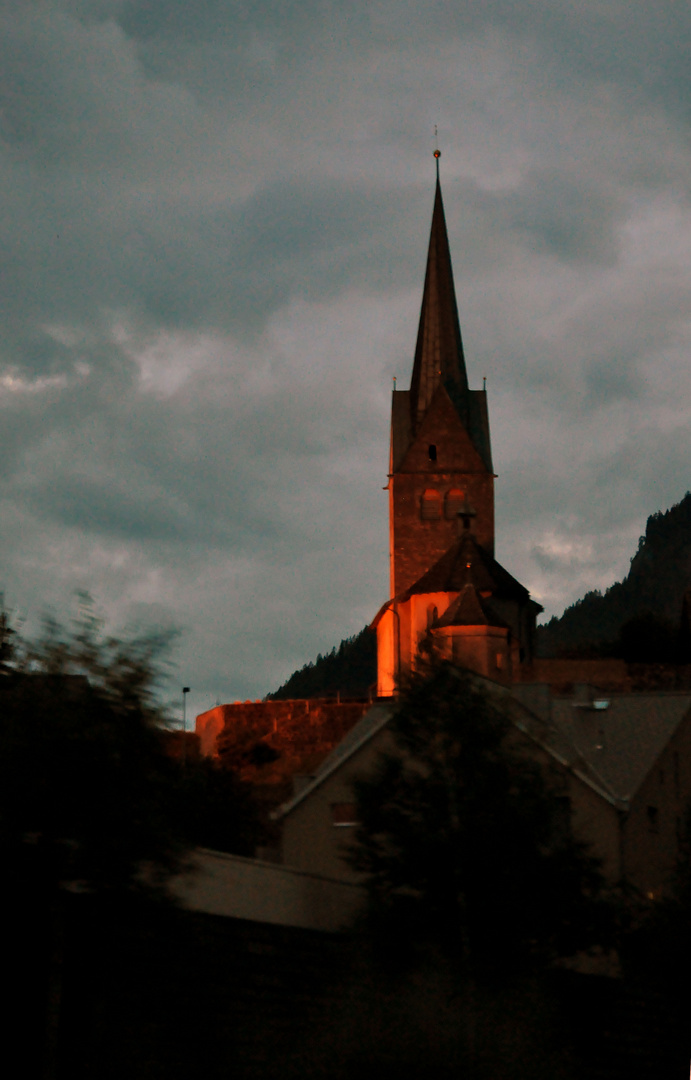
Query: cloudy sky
213	229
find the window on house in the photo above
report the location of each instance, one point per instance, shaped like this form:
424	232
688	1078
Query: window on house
430	509
453	503
500	661
432	615
653	819
432	451
344	815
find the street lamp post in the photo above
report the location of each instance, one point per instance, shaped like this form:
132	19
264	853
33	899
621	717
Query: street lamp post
185	692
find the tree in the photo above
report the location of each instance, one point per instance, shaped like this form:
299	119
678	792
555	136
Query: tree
217	810
464	840
89	794
85	782
95	815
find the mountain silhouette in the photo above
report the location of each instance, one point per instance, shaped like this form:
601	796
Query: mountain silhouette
639	618
347	671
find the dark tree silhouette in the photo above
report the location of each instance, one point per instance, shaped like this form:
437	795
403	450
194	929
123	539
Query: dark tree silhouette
95	815
85	782
89	795
464	841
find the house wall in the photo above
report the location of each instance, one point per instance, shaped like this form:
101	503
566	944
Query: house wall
417	620
238	888
483	649
596	823
650	842
475	648
310	840
387	652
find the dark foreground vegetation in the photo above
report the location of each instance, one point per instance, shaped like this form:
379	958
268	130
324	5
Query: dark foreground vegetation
477	894
92	803
464	840
152	993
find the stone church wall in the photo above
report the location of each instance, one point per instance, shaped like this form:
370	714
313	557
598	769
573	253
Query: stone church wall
268	742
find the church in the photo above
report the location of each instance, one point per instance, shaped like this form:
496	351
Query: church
447	589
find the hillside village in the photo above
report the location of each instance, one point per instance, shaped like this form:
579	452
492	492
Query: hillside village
187	902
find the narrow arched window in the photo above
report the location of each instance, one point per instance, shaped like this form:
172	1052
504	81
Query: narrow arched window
432	451
430	507
453	503
432	615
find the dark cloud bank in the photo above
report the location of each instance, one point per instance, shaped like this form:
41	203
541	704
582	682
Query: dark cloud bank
213	231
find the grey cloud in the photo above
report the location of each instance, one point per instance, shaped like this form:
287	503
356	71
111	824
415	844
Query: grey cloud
175	265
568	217
74	96
112	508
637	45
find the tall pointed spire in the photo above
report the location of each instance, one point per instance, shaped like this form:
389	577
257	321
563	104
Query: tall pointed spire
439	350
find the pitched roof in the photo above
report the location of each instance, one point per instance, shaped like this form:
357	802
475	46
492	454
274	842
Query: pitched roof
621	742
468	609
465	561
612	756
439	349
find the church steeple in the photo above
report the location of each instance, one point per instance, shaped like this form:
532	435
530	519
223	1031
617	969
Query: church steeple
440	470
440	443
439	349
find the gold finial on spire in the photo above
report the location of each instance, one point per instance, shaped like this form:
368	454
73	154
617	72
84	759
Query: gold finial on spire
437	151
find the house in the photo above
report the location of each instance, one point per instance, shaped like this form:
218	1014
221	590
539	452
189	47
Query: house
623	760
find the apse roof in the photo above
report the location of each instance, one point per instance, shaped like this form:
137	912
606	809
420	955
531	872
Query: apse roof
466	561
468	609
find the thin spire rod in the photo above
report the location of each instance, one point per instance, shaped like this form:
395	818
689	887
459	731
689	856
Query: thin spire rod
437	151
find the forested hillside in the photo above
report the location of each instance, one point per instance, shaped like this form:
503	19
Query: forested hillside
349	670
638	618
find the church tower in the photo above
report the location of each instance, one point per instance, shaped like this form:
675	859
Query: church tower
440	446
448	592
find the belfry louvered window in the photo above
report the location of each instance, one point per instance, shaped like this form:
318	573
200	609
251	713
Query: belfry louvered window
453	503
430	507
